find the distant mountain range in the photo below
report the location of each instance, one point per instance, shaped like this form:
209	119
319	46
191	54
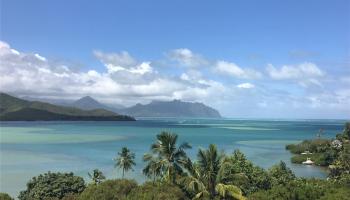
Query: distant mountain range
175	108
16	109
85	103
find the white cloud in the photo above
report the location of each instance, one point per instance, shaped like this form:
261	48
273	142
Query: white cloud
116	59
246	86
126	80
231	69
187	58
123	78
305	74
36	55
304	70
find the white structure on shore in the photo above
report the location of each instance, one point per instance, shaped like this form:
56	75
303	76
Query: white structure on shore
308	162
306	152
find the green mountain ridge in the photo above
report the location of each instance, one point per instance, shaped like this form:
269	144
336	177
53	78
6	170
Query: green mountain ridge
16	109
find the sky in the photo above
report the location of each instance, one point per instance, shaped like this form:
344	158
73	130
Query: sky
248	59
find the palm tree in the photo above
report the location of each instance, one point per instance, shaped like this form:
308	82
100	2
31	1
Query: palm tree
125	160
168	157
204	179
320	133
96	176
153	168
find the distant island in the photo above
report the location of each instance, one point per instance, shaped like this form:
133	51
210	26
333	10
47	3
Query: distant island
175	108
16	109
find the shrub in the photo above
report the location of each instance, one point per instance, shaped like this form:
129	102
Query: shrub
281	174
300	189
4	196
336	194
52	185
157	191
109	190
239	171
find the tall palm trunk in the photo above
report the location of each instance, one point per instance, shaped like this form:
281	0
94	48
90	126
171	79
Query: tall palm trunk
211	187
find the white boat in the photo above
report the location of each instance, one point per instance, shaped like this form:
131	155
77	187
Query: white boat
308	162
306	152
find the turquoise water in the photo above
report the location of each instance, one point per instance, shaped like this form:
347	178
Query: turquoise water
30	148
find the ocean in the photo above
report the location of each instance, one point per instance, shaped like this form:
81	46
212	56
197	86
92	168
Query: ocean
30	148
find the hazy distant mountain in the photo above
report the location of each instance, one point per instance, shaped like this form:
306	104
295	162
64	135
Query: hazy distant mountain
175	108
60	102
16	109
87	103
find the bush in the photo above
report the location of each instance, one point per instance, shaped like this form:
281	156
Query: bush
70	197
336	194
4	196
52	185
239	171
281	174
301	189
109	190
157	191
304	189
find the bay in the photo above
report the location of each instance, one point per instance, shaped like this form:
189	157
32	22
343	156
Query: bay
30	148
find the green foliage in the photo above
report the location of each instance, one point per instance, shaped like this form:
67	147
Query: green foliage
336	193
346	131
324	153
321	159
239	171
109	190
167	157
314	146
341	166
154	167
206	179
70	197
4	196
125	160
280	174
157	191
51	185
96	176
303	189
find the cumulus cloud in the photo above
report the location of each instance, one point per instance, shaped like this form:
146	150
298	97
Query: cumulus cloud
116	59
305	73
304	70
187	58
231	69
126	80
245	85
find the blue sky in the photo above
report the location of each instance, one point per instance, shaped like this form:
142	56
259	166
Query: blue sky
252	54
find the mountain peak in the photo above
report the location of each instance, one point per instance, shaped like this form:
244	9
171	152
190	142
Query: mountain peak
87	103
87	98
173	108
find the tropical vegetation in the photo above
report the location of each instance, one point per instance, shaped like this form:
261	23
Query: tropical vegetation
332	153
125	160
96	176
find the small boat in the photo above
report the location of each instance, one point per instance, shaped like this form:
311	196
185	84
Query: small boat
308	162
306	152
